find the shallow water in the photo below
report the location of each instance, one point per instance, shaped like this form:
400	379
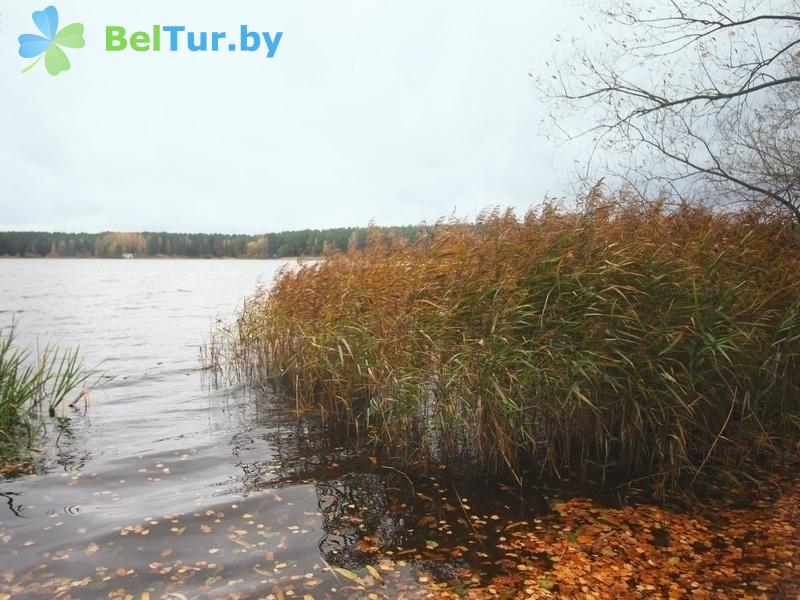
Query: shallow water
172	487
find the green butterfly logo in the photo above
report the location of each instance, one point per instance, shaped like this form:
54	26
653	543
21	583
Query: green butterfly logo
50	43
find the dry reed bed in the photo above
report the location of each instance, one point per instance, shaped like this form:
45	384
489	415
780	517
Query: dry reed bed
608	341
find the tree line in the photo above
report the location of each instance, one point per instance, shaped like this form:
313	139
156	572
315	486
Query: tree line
308	242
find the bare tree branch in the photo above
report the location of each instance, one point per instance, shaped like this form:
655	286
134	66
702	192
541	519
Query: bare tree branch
700	97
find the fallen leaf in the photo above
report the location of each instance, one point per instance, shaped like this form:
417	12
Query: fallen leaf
374	572
349	575
546	584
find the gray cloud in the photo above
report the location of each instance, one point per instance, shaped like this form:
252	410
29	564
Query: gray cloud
393	111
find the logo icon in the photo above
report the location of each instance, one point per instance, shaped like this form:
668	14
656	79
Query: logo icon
51	42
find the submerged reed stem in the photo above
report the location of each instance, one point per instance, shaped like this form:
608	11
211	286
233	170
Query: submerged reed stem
29	387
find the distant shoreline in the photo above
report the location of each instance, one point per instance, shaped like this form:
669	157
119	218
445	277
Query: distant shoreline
286	244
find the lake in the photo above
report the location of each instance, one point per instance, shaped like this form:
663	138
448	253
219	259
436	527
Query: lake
171	487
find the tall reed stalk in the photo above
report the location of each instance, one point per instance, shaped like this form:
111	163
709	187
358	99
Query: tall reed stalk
31	385
613	340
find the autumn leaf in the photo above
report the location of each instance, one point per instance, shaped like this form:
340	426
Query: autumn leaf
349	575
546	584
374	572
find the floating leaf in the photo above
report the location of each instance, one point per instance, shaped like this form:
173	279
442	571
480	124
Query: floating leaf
546	584
349	575
374	572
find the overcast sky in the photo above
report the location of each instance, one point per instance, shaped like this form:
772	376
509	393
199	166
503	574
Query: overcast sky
392	111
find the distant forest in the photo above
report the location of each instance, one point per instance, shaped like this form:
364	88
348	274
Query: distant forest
309	242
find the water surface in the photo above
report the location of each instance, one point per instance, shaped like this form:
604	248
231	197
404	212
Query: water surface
173	487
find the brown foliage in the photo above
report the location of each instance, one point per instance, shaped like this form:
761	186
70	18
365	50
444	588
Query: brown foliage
609	340
643	551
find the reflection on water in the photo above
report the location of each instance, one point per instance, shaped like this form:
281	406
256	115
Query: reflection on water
175	488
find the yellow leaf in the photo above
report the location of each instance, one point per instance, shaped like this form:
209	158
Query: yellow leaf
349	575
374	572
